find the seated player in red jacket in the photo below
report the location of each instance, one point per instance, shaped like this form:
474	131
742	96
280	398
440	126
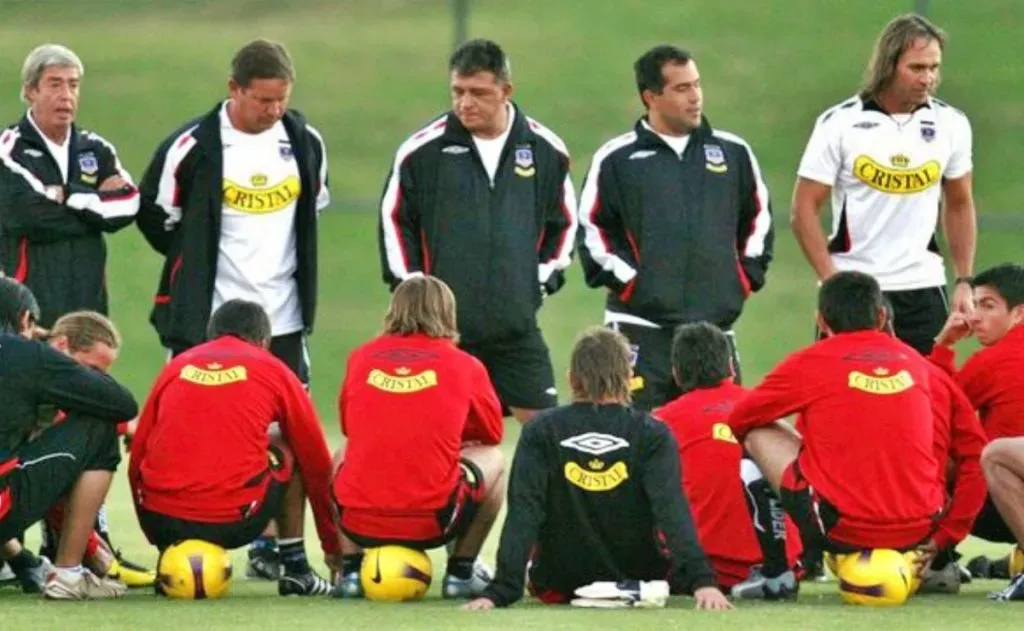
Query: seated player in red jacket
959	441
229	440
992	379
753	557
863	473
421	465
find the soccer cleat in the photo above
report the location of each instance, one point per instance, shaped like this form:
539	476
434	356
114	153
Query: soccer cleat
7	576
629	593
759	587
84	585
308	584
33	580
264	564
130	574
1013	591
349	586
944	581
984	567
453	588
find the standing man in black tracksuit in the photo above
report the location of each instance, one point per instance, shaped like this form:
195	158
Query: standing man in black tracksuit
231	200
595	494
481	198
61	188
676	222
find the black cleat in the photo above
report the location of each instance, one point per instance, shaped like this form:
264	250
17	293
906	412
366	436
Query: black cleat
308	584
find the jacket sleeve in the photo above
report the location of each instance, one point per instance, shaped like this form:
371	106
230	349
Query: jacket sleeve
974	377
301	427
967	440
662	481
780	394
485	422
26	209
164	186
72	387
558	232
147	420
112	210
755	233
608	251
527	498
323	191
399	232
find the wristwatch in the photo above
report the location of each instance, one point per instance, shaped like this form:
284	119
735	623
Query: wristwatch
962	279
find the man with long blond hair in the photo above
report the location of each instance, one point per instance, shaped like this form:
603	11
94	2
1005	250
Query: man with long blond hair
595	497
889	157
421	468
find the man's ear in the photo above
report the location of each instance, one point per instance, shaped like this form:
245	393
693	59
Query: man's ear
822	326
26	324
59	342
1017	315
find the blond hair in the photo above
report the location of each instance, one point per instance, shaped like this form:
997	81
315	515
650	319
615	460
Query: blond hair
424	305
893	41
600	366
84	330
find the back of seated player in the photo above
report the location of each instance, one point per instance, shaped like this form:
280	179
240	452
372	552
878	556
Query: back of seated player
595	493
862	473
421	464
228	440
718	481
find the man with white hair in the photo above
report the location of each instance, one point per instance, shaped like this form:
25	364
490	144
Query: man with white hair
61	188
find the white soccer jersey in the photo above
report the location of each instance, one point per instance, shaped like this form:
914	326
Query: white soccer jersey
257	258
886	173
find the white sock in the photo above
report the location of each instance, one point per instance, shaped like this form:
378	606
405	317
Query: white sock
71	572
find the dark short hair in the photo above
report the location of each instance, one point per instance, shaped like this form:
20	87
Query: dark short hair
243	319
890	315
15	300
850	301
701	356
1006	279
261	59
648	68
480	55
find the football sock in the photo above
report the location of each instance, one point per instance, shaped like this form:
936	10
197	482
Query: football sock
769	520
293	556
23	561
264	543
350	563
461	567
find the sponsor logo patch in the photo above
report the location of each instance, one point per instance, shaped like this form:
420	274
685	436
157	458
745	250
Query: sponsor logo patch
213	375
901	181
714	159
524	162
596	481
403	381
595	443
258	200
88	164
881	382
721	431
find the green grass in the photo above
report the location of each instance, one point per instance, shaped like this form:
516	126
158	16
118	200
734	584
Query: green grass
369	72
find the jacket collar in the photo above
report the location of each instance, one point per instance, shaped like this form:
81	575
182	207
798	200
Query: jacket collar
872	105
207	134
31	134
646	137
456	132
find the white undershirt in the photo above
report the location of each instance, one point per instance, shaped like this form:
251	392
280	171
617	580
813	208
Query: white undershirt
490	148
676	143
59	152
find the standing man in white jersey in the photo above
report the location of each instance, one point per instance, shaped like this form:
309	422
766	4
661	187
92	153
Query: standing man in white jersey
889	158
482	199
231	199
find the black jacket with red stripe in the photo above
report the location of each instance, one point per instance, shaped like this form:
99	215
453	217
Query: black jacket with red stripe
675	239
51	230
180	216
501	245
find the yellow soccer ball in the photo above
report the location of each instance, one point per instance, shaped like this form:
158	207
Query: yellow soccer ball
395	573
194	570
878	578
1016	561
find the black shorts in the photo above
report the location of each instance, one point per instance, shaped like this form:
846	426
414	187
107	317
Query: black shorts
291	349
918	316
990	525
47	468
163	530
652	385
520	369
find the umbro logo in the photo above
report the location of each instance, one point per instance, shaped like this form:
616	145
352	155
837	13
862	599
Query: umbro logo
865	125
455	150
33	153
641	154
595	443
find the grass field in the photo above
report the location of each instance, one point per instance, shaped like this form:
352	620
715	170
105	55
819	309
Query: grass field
370	71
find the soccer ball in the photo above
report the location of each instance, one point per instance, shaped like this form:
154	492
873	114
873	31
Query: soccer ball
1016	561
395	573
879	578
194	570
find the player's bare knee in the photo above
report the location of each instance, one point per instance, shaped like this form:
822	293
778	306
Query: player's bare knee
1002	452
489	460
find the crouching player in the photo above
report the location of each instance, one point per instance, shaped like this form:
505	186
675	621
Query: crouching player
753	557
228	440
39	465
595	494
861	473
421	466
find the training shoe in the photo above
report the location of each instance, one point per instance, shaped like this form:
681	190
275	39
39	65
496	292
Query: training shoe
33	580
759	587
984	567
349	586
1013	591
7	576
264	564
616	594
308	584
64	585
457	588
944	581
